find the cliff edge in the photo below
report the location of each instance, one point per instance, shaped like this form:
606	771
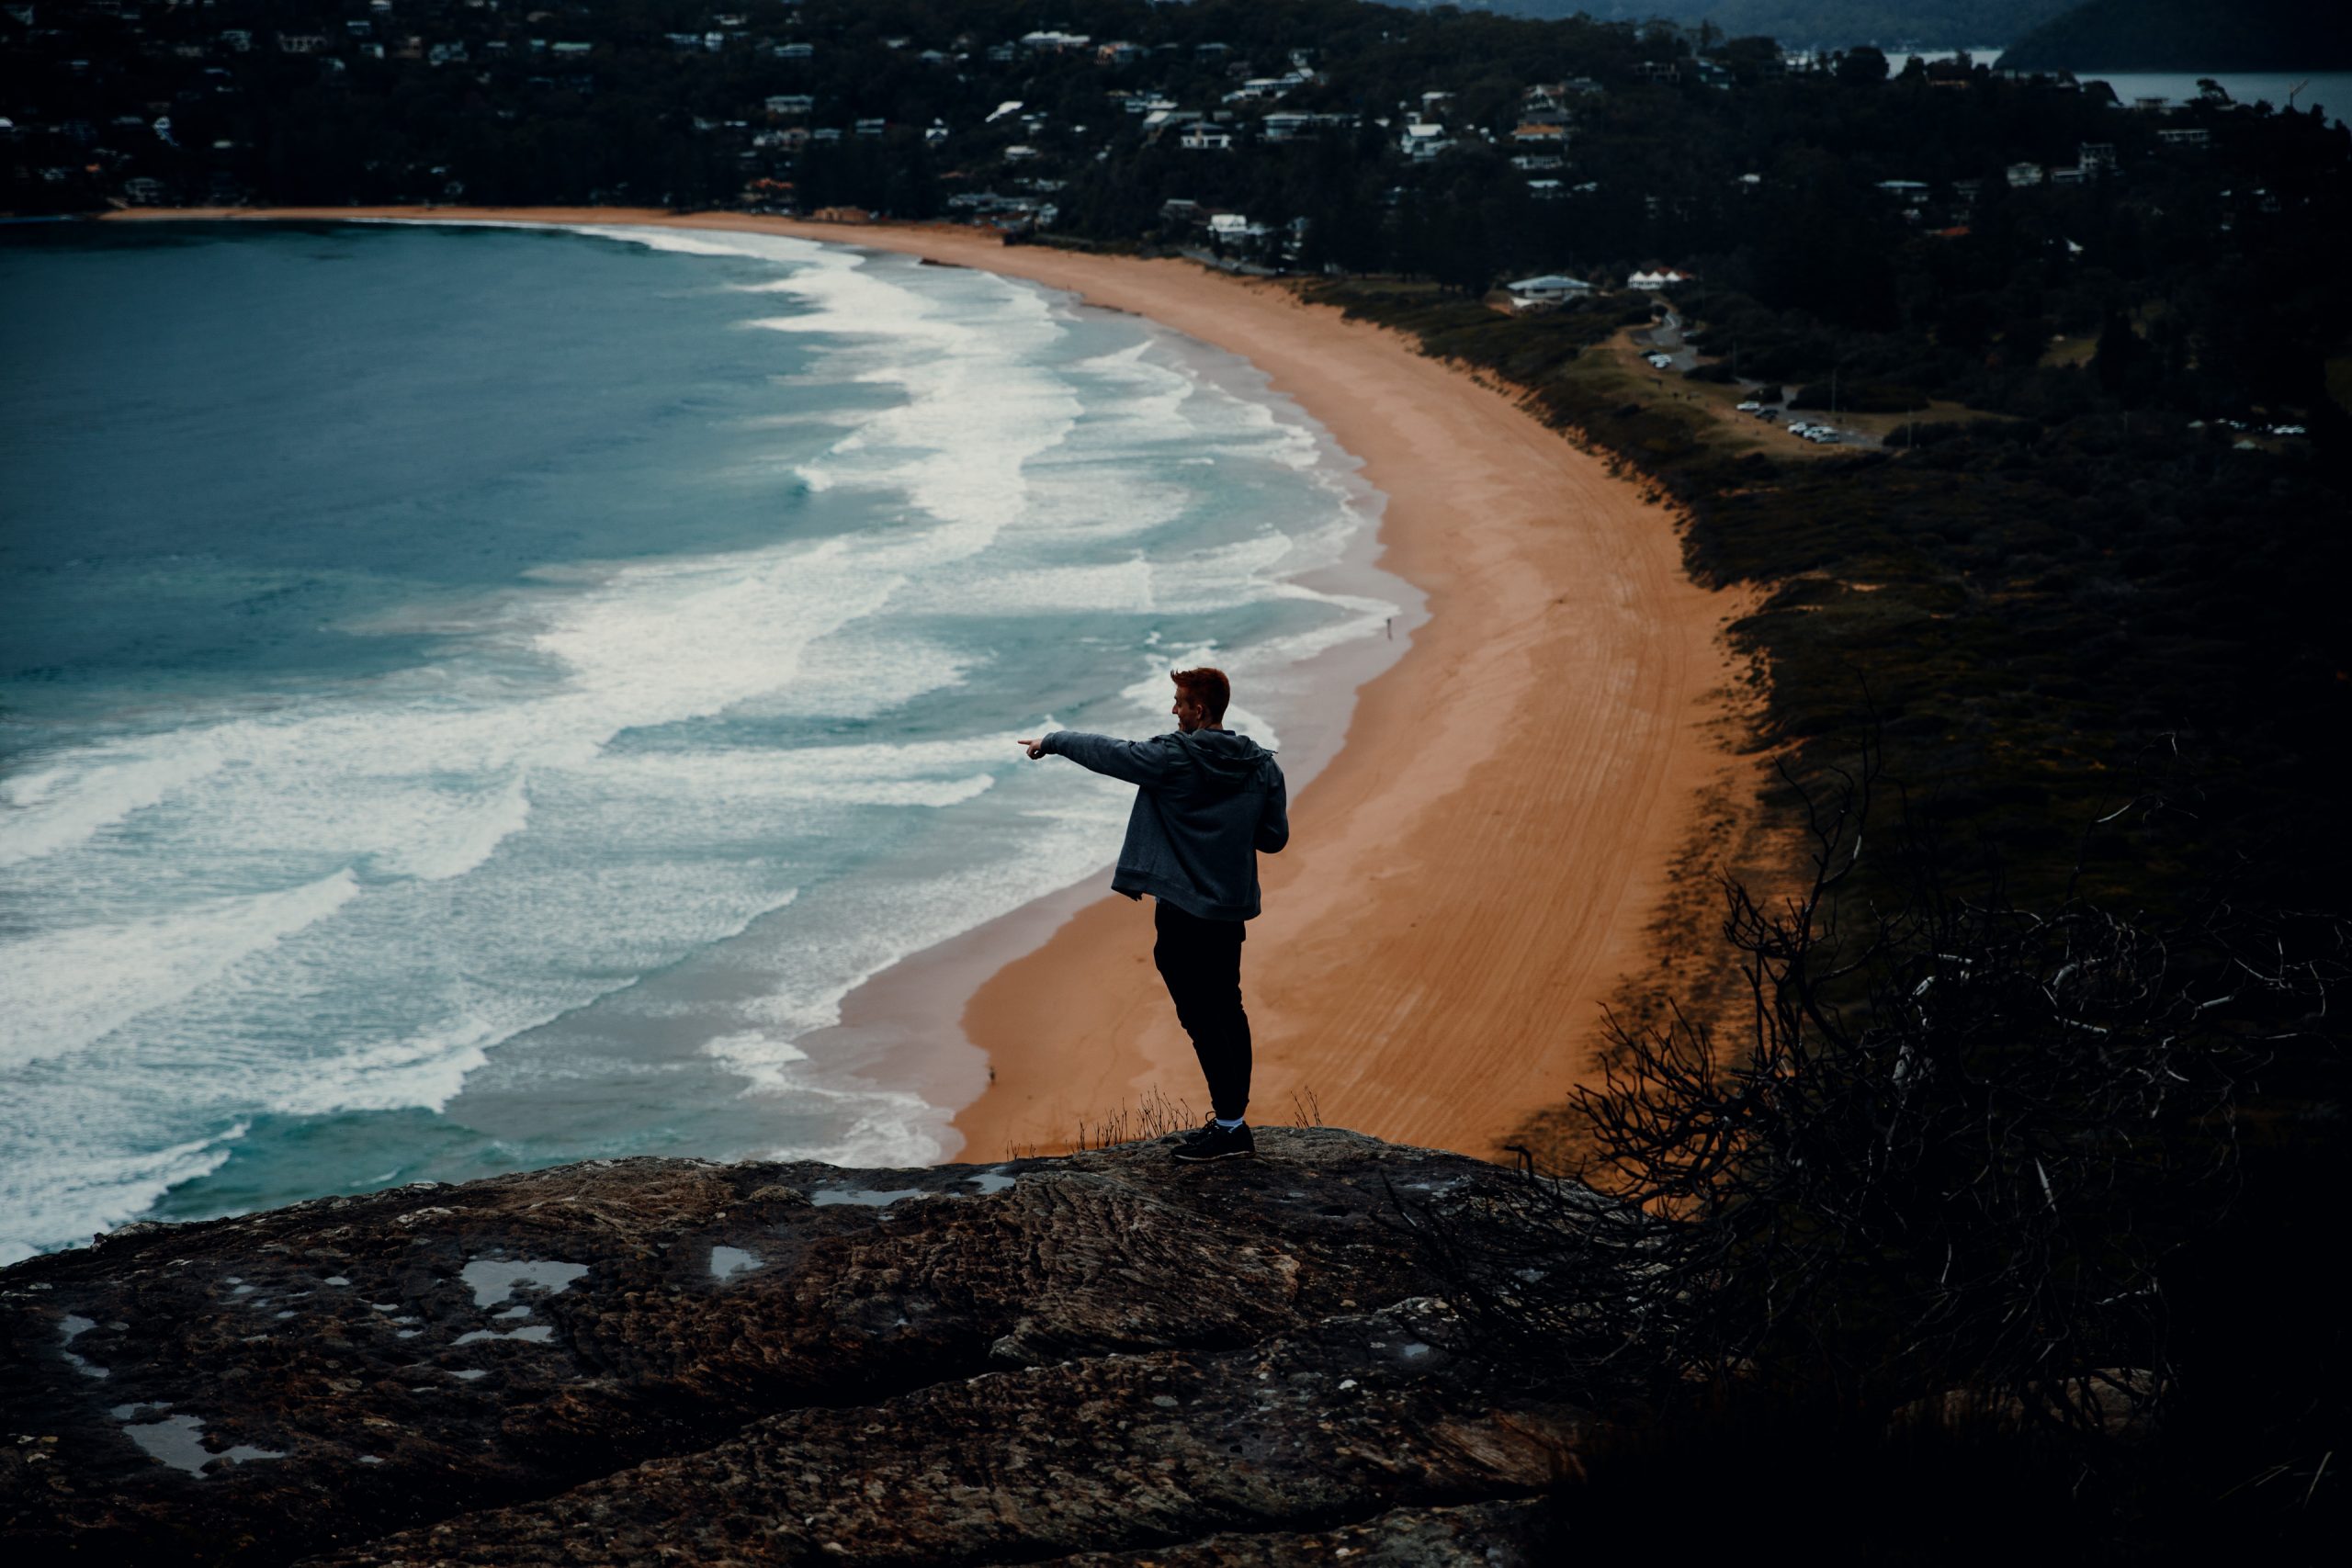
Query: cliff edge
1103	1357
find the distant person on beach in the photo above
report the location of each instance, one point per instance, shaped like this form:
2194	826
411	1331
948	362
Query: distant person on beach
1208	802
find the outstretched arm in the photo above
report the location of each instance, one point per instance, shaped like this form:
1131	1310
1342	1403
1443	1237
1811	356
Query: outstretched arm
1274	818
1150	763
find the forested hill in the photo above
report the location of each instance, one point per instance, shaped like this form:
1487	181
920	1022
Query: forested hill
1925	24
2190	35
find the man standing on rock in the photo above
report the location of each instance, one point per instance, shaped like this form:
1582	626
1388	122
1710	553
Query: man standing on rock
1208	802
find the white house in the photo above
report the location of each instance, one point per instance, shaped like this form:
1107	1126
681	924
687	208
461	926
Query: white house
1539	293
1654	280
1423	139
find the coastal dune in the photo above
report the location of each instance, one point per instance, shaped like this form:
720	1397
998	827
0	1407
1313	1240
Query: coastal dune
1480	867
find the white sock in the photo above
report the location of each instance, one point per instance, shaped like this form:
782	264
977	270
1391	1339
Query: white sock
1228	1126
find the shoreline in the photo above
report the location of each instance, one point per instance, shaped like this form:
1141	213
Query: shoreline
1550	724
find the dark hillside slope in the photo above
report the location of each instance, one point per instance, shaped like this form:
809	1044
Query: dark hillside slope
2190	35
1949	24
1929	24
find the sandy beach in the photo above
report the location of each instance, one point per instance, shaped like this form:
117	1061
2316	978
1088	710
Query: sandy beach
1479	868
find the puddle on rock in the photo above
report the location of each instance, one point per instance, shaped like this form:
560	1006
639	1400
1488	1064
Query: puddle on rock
493	1279
990	1181
70	1328
824	1197
726	1261
178	1441
537	1334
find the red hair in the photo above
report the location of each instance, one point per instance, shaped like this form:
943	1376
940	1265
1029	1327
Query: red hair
1207	687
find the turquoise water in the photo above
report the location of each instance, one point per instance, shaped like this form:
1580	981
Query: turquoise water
473	698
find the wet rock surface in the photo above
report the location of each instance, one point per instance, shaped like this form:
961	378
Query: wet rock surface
1106	1358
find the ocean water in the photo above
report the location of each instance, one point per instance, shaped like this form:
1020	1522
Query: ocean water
472	697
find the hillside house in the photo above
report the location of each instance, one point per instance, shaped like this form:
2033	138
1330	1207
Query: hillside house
1289	125
1546	292
1424	140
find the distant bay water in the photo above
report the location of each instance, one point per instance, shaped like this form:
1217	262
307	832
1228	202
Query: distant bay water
478	696
2330	90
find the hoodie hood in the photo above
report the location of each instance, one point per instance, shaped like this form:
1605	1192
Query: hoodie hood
1226	761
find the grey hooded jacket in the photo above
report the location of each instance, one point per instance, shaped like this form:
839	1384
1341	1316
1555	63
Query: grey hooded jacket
1206	805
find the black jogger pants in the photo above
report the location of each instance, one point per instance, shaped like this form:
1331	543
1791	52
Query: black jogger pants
1201	961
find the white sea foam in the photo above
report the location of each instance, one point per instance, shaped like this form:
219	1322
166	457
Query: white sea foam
73	1195
72	801
64	989
876	1125
424	1071
473	825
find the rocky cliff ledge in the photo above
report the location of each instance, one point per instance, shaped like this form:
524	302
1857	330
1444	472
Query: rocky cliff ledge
1106	1358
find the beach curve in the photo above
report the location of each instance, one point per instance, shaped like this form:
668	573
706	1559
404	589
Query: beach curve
1476	872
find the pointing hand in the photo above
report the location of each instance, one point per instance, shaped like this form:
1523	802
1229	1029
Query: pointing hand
1036	748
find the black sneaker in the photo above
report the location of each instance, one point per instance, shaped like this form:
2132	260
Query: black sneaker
1213	1141
1195	1135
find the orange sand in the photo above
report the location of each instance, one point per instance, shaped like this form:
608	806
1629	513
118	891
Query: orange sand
1476	871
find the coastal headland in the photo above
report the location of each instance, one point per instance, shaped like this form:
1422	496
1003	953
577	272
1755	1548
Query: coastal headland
1479	869
663	1362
